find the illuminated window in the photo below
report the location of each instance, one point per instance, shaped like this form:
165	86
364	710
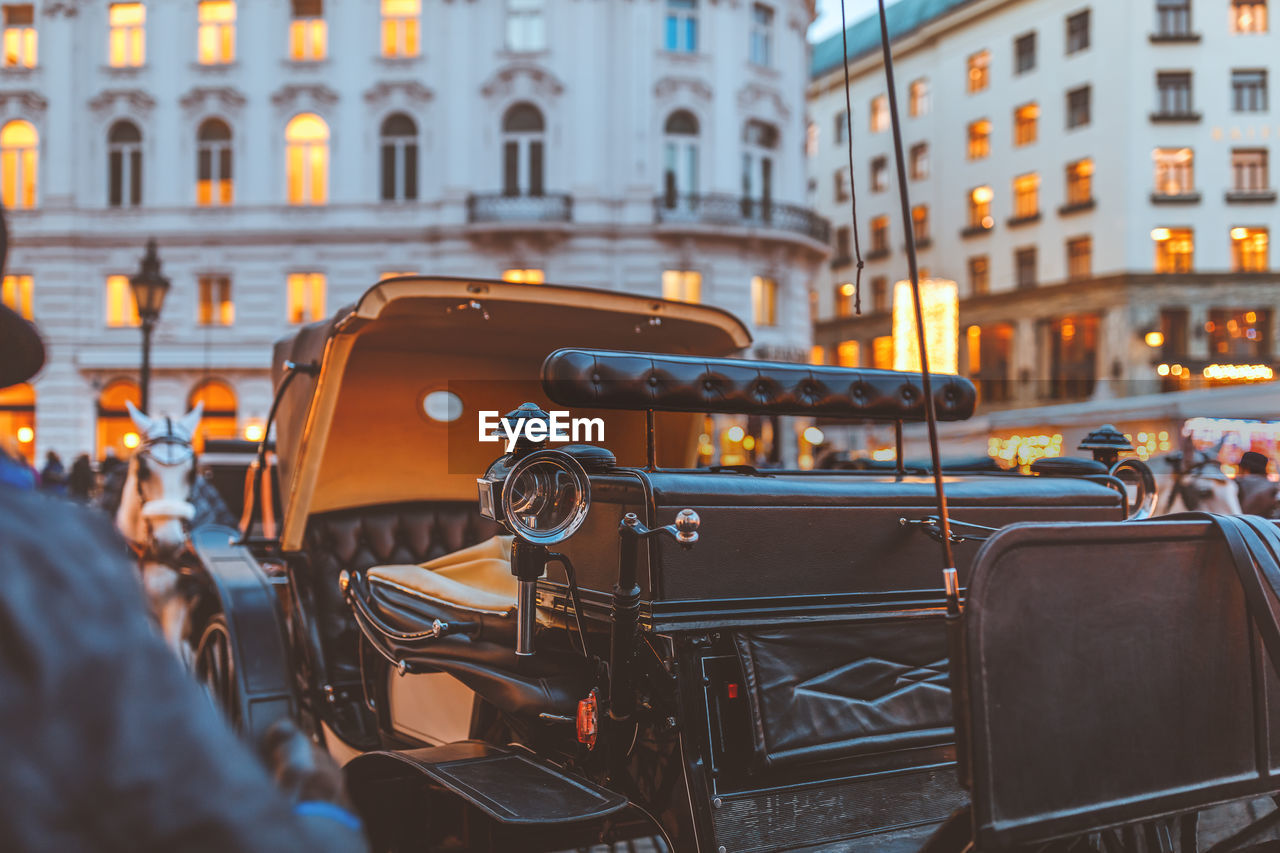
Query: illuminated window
882	352
216	307
918	98
18	159
880	234
682	285
17	291
761	42
526	28
1079	107
308	32
1249	90
1024	53
219	417
844	299
1080	181
400	27
399	158
1239	334
879	294
680	155
920	224
1025	119
216	42
979	138
879	114
1175	171
1175	249
1079	258
523	276
1026	196
1249	169
213	163
764	301
1078	32
1248	16
1025	262
305	297
848	354
980	207
124	165
681	32
979	71
1073	357
1173	93
307	160
127	44
19	35
919	161
1249	249
879	174
979	275
116	430
523	144
122	310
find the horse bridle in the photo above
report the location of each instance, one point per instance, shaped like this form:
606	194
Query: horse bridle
166	450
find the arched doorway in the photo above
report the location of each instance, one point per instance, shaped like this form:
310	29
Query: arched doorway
116	431
219	418
18	418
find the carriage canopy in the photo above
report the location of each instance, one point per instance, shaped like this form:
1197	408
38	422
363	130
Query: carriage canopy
389	412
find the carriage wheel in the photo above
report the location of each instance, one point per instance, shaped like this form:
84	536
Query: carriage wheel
215	668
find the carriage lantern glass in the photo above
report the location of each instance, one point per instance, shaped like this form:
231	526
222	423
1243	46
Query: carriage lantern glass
545	497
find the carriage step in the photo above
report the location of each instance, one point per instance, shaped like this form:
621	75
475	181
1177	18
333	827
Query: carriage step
503	784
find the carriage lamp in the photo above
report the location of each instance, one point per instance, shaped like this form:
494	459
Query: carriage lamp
150	287
1106	443
544	500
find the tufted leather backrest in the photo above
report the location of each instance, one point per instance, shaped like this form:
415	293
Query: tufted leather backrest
356	539
605	379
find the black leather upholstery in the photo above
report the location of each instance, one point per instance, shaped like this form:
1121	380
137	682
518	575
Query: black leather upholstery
356	539
604	379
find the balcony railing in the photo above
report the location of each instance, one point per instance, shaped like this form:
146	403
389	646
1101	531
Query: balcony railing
519	209
734	211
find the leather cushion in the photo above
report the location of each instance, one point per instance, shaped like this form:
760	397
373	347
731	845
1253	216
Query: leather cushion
356	539
605	379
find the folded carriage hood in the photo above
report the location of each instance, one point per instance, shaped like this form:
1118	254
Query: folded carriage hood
341	442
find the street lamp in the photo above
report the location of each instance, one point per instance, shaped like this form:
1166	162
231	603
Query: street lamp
149	290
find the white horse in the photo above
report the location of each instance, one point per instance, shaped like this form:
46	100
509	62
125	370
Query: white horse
155	510
1199	484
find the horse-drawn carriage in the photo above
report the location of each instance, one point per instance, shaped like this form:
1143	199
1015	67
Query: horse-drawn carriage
607	644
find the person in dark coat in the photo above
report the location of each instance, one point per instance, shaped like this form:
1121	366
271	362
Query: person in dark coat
53	476
108	743
80	481
1257	492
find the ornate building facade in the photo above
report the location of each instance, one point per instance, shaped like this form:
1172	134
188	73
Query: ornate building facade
286	154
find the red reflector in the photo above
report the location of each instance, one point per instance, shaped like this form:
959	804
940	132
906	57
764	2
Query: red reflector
588	719
732	689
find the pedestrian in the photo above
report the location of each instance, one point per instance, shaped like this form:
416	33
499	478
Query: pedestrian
53	477
1257	492
108	743
80	481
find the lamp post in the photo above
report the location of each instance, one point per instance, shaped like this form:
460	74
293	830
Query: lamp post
149	290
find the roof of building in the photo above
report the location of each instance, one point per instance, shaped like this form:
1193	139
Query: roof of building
905	17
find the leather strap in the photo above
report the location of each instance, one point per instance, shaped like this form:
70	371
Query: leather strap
1254	544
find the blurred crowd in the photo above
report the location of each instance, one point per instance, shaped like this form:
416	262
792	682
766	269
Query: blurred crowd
82	482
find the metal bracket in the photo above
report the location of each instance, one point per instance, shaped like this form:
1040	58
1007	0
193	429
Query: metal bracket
931	526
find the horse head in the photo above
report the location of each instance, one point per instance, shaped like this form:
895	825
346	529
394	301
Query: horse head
154	508
1202	486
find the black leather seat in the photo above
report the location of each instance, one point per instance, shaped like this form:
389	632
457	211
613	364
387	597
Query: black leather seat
356	539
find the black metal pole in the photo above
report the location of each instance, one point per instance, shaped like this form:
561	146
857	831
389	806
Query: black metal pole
931	416
144	376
